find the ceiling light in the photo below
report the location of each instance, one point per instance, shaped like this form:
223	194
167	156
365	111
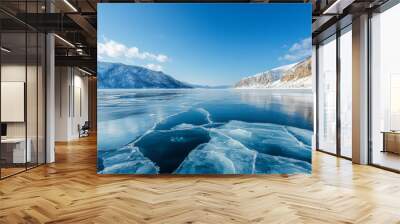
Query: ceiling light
337	7
65	41
86	72
79	51
5	50
70	5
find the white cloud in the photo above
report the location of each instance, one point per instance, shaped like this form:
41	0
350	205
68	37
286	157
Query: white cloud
298	51
162	58
113	49
154	67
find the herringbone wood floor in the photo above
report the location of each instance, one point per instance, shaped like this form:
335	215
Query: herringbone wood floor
70	191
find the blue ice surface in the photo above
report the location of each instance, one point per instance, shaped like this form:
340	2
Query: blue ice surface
168	148
197	116
236	147
270	139
126	160
267	164
301	134
221	155
188	133
249	148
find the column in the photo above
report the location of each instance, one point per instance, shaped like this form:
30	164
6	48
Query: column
360	90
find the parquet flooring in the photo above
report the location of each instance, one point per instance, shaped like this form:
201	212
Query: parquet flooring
70	191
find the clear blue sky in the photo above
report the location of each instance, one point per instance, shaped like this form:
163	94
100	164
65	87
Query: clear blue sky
214	44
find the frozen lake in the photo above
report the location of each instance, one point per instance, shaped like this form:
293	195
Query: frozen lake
193	131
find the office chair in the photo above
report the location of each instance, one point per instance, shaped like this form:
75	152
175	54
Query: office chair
84	130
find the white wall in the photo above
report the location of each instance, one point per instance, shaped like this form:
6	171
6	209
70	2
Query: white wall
70	83
82	83
13	72
13	100
17	73
10	73
62	82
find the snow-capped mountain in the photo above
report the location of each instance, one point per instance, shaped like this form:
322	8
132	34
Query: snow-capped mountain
117	75
297	75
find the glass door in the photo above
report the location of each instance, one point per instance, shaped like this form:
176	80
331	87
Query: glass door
22	77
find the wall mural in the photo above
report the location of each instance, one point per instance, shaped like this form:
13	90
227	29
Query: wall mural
204	89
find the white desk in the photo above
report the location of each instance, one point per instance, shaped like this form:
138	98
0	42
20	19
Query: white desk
18	151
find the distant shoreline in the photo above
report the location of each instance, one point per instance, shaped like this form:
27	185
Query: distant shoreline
235	89
273	88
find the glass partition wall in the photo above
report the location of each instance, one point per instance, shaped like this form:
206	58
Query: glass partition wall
13	89
334	105
327	95
345	62
334	95
385	89
22	107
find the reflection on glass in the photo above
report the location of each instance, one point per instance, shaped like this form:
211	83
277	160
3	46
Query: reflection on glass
13	85
41	99
22	91
394	102
385	84
31	99
327	96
